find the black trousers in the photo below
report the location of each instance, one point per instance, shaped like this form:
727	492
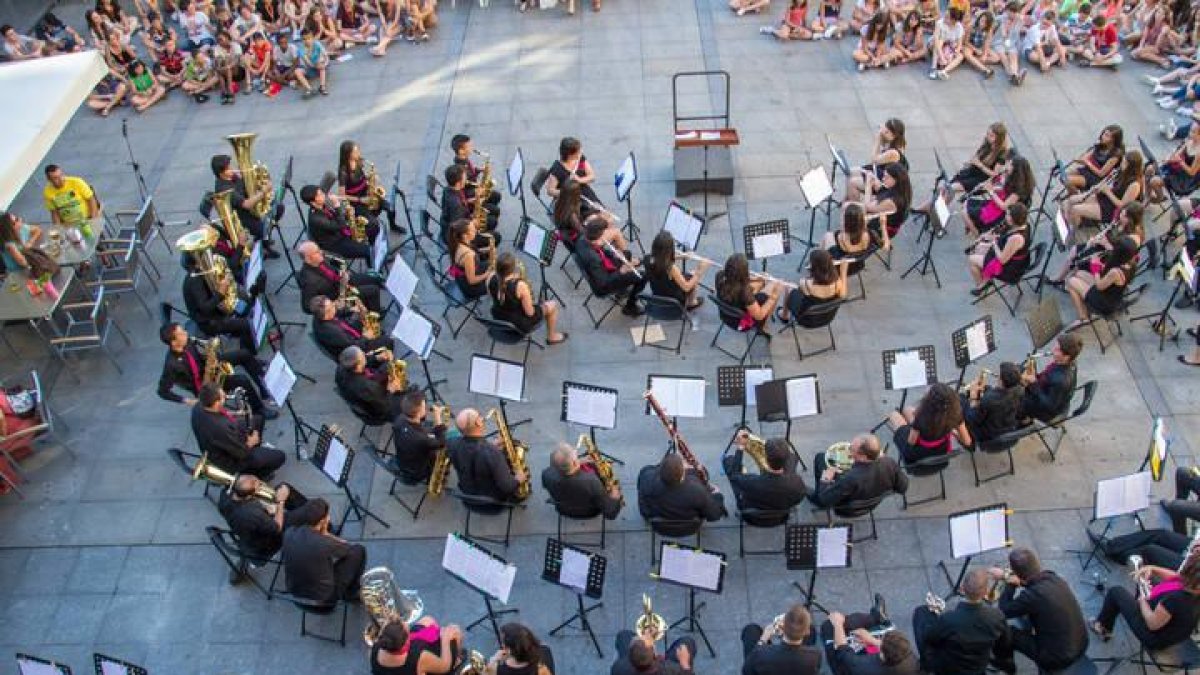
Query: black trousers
1157	547
625	638
234	326
348	570
1187	484
853	623
385	207
628	283
350	249
1118	601
369	287
263	462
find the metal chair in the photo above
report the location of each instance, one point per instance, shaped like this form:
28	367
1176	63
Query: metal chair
367	420
540	176
815	317
1183	656
581	517
762	519
321	348
1059	423
381	458
307	607
667	527
433	187
454	298
930	466
1030	275
145	227
485	506
1113	318
858	265
1004	443
43	429
507	333
731	317
663	308
186	461
87	327
120	270
230	550
615	298
855	510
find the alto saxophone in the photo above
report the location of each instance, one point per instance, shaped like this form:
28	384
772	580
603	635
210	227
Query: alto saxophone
215	370
370	322
356	223
998	586
441	465
374	198
604	468
514	452
483	191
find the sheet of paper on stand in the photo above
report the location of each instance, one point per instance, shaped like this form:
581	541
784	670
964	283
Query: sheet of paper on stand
254	266
767	245
592	408
279	378
475	567
401	282
683	226
831	546
34	668
816	186
691	568
497	378
258	320
993	529
679	397
335	459
710	135
1122	495
802	397
574	569
415	331
943	211
379	250
1189	269
110	668
908	371
977	346
516	170
535	240
626	175
964	535
755	377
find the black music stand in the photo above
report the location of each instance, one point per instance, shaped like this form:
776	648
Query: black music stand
41	663
1161	322
673	414
801	552
1176	209
425	351
685	578
775	405
933	225
966	348
968	550
704	144
489	591
1058	170
1130	507
543	253
1044	323
928	357
590	418
593	587
100	660
733	389
336	467
767	229
1060	239
400	199
624	181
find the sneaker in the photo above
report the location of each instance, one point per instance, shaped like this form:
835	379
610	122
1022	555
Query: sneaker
943	75
1160	90
1168	103
830	32
862	67
292	84
423	37
273	90
372	40
1186	112
766	30
1150	80
933	74
1172	129
308	93
324	90
226	99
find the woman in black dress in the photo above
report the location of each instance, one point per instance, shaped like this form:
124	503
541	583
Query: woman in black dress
886	203
1180	173
353	185
1103	203
929	429
572	164
426	650
467	267
570	212
889	149
520	653
755	297
985	211
1101	291
1002	254
665	277
512	301
825	283
852	239
986	163
1099	161
1090	253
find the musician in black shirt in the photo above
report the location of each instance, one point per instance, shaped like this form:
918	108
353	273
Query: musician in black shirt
336	330
415	440
870	476
243	204
571	164
204	307
776	487
992	411
888	654
607	274
232	443
959	641
670	490
257	527
1048	395
575	487
184	368
1056	635
481	466
369	388
318	277
1183	508
636	656
462	147
320	566
793	655
327	225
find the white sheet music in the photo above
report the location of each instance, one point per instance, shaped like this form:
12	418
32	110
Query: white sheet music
755	377
491	377
574	570
993	529
1189	269
678	396
335	460
816	186
35	668
110	668
1123	495
941	211
626	177
516	171
478	569
908	370
258	321
254	266
379	250
401	281
592	408
767	245
831	546
1061	228
978	531
977	346
683	226
964	535
280	378
415	331
691	567
802	397
535	241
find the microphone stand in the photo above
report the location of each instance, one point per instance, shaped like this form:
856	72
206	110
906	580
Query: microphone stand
143	191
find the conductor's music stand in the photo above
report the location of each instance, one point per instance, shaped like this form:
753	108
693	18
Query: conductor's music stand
580	572
692	568
812	547
687	136
901	378
766	240
971	343
334	458
540	244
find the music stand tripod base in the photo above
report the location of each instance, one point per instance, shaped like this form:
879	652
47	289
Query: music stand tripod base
580	615
691	622
490	616
810	597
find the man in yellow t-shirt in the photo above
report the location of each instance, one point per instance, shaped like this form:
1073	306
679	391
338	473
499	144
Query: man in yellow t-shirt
69	199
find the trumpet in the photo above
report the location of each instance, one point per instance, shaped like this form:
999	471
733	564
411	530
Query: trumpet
620	256
649	624
998	586
979	383
770	279
596	206
1135	561
935	603
776	628
1029	369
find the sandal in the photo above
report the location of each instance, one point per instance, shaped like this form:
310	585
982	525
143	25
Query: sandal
779	316
560	340
1099	630
1192	332
1184	361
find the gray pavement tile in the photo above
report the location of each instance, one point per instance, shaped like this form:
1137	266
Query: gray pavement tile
97	570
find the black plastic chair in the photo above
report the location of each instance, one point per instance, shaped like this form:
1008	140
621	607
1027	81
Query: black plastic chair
1184	656
663	308
367	420
1004	443
485	506
186	461
858	265
1059	423
666	527
313	607
580	517
230	550
614	299
1113	318
1030	275
320	347
540	176
762	519
856	510
930	466
731	317
433	187
507	333
381	458
815	317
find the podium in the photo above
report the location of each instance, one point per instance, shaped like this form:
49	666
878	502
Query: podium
703	156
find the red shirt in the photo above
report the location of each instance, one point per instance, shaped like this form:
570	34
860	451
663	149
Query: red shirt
1106	38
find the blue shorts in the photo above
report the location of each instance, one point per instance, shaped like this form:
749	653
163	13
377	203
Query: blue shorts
311	73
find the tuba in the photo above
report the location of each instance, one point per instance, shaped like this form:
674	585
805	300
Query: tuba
206	470
230	221
385	603
837	456
255	176
604	468
650	624
215	270
374	198
441	466
514	451
215	370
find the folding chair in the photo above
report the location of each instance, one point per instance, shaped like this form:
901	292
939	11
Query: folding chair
581	516
230	549
43	429
313	607
762	519
367	420
1004	443
1183	656
535	186
400	476
614	298
815	317
663	308
1059	423
858	264
1113	318
454	298
1031	274
855	510
120	270
147	225
485	506
667	527
507	333
928	467
433	188
87	327
731	317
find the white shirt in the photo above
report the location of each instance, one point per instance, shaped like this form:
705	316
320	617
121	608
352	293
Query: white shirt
949	35
1037	35
196	26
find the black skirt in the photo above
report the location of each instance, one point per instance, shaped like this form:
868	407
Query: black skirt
969	178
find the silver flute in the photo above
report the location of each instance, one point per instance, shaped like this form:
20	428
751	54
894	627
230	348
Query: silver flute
596	206
621	258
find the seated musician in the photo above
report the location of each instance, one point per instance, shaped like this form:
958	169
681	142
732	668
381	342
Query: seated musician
889	149
636	655
232	443
985	211
481	466
414	439
457	205
204	307
257	527
1155	546
1182	508
571	164
243	204
1102	290
184	368
353	186
369	388
606	273
575	487
317	277
1054	634
755	297
462	147
1002	253
984	165
1048	394
888	654
512	301
851	241
672	491
427	648
319	566
336	330
1091	253
327	225
886	203
1106	200
667	280
1179	174
992	411
929	429
1164	619
468	266
870	476
793	653
1099	160
776	486
570	212
826	283
959	641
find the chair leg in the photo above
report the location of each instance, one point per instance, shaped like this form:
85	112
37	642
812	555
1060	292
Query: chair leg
741	538
975	467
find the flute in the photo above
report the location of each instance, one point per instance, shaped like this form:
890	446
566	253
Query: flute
621	258
686	255
770	279
600	208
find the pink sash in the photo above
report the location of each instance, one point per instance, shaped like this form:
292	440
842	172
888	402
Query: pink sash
1167	586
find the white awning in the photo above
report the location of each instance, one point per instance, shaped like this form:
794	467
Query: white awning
42	96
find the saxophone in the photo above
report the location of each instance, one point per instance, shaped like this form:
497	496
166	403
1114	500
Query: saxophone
215	370
370	323
356	223
441	465
514	452
491	240
603	467
483	191
374	198
756	447
978	384
397	375
255	176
